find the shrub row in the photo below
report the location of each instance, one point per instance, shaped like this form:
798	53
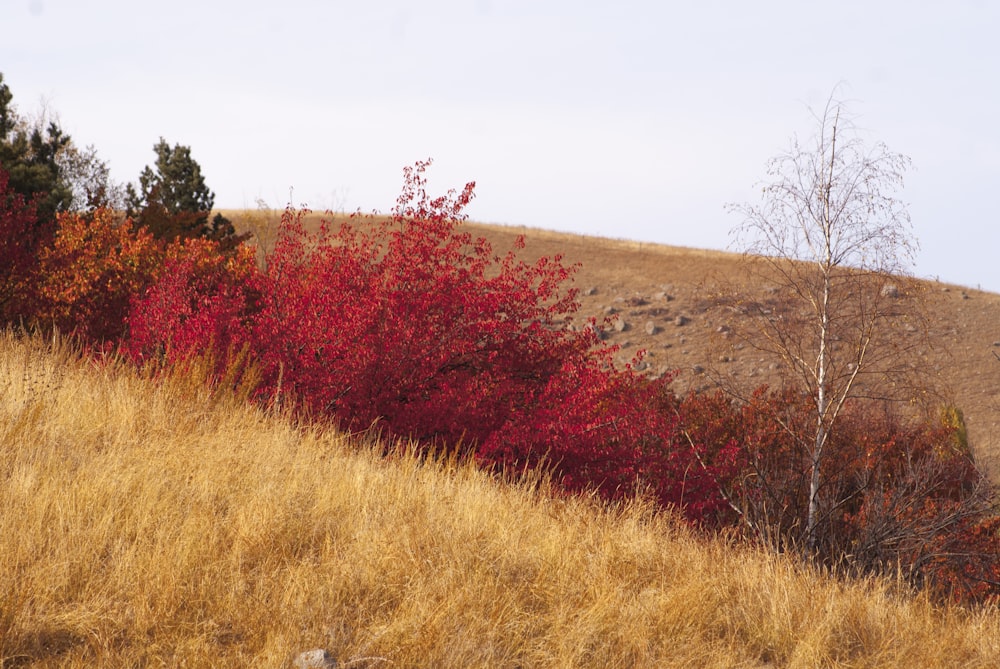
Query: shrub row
410	324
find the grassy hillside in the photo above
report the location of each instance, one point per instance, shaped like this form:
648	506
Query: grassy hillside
148	524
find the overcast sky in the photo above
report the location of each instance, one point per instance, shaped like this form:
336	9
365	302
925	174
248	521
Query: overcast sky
625	119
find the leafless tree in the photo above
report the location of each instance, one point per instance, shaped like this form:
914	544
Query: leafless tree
830	232
90	180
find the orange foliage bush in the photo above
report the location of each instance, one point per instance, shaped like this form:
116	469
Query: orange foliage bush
88	274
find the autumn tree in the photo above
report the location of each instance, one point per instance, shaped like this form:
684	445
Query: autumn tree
88	273
834	239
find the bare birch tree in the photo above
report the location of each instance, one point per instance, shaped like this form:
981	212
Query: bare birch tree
832	234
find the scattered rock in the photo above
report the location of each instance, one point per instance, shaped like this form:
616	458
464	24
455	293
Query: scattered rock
620	325
589	291
636	301
317	658
681	321
725	358
698	369
890	290
663	296
651	328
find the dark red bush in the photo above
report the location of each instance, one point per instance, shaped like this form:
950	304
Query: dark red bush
900	495
20	240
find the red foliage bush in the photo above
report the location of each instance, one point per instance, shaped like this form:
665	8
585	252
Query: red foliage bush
899	496
410	322
914	501
201	301
20	238
617	433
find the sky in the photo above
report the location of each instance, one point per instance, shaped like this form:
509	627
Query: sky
628	119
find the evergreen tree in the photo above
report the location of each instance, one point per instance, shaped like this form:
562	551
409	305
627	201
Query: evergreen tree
176	184
29	154
174	201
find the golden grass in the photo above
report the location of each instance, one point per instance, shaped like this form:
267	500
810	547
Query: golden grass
148	524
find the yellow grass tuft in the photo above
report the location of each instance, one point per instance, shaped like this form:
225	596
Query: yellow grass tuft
143	524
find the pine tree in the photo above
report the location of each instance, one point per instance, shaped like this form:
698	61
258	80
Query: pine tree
174	201
29	153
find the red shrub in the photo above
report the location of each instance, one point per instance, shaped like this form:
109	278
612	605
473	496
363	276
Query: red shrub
20	239
200	302
898	497
617	433
410	322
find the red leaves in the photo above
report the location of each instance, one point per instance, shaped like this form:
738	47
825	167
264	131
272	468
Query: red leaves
898	498
19	243
411	323
201	301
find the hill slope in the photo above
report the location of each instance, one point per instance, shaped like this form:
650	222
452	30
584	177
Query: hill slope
154	524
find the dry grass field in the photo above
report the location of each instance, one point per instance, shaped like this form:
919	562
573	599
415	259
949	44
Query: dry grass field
152	524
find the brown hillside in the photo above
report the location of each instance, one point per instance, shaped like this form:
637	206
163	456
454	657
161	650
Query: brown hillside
649	286
643	283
